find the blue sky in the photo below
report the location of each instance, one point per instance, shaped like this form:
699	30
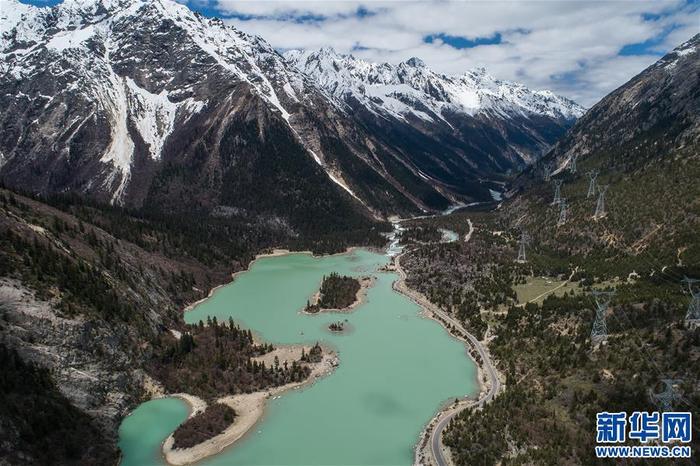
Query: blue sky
581	49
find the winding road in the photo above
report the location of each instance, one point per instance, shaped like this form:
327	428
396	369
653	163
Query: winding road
495	387
495	384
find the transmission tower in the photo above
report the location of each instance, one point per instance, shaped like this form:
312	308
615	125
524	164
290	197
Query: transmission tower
562	212
593	175
547	171
668	396
572	164
557	192
599	333
524	239
692	318
600	207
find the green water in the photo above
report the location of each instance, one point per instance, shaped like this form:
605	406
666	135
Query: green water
395	371
141	433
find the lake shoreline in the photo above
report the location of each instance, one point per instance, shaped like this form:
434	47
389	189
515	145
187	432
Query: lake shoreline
275	253
231	436
451	405
250	410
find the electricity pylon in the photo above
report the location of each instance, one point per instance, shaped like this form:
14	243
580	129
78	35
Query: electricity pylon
557	192
562	212
668	396
692	318
572	164
547	171
524	239
599	332
593	175
600	207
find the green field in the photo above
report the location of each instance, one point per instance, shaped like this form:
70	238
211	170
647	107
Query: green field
536	289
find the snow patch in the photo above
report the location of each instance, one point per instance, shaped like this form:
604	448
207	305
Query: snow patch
686	51
340	183
153	115
334	178
70	39
120	153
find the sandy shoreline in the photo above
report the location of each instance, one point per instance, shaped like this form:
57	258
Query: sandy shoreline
249	407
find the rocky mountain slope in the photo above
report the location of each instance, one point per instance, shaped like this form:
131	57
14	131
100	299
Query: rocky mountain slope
643	140
149	105
146	104
88	293
78	307
649	117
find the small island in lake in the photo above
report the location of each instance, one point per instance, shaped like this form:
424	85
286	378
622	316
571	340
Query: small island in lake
337	326
338	293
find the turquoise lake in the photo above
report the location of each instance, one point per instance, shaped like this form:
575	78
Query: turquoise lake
396	370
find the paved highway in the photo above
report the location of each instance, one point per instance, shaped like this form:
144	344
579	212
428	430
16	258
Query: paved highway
495	387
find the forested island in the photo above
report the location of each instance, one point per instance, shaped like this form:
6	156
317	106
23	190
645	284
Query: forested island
336	326
337	292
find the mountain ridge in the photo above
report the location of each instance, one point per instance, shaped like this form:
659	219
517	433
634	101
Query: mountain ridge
110	98
670	85
471	92
494	126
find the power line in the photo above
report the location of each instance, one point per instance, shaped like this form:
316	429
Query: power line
666	399
572	164
547	171
562	212
692	317
600	206
524	240
557	191
599	332
592	175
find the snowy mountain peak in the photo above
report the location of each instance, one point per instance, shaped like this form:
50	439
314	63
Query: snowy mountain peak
669	62
415	62
92	51
411	88
96	6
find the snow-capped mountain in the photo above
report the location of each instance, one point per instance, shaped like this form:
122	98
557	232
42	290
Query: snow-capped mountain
147	104
412	88
84	60
491	124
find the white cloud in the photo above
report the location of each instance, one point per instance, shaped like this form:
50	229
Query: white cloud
570	47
